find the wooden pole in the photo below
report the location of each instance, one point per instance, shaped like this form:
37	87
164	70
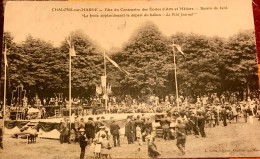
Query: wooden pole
176	83
70	86
105	90
4	89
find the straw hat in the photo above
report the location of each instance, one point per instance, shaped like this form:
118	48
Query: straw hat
81	130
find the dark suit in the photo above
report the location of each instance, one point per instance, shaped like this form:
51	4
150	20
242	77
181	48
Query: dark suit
114	130
129	132
90	129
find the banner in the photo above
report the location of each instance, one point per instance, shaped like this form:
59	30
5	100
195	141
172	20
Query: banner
103	81
98	89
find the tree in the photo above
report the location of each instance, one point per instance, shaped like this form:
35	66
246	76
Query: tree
144	57
199	73
86	66
239	71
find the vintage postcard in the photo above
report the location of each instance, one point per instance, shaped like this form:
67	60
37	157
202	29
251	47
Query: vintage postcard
129	79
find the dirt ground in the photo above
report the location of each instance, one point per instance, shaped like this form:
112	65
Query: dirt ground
236	140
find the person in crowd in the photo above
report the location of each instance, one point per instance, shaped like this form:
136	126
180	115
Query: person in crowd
194	121
152	148
147	128
105	147
90	129
79	124
244	112
98	124
129	131
82	143
115	131
211	118
108	134
216	116
132	121
181	136
139	137
250	114
201	123
224	115
64	132
165	124
98	139
234	112
138	122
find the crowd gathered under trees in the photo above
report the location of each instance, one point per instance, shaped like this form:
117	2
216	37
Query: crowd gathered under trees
212	65
138	128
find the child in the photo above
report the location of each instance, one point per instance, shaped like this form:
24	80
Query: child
82	142
105	147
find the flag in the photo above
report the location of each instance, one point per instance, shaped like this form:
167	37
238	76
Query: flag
109	89
178	47
98	89
113	62
116	65
5	58
71	49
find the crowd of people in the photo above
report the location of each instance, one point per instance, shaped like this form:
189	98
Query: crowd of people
115	104
173	123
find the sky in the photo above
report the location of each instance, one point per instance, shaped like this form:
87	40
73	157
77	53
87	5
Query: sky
39	19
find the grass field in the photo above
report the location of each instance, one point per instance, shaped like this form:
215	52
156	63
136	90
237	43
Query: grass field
235	140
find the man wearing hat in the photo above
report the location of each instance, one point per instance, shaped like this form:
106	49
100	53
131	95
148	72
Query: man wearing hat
82	142
90	129
114	130
129	131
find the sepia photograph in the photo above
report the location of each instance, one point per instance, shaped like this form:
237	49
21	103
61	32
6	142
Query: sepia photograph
129	79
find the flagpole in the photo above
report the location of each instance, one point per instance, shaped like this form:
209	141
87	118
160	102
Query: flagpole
175	75
105	90
70	87
4	88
